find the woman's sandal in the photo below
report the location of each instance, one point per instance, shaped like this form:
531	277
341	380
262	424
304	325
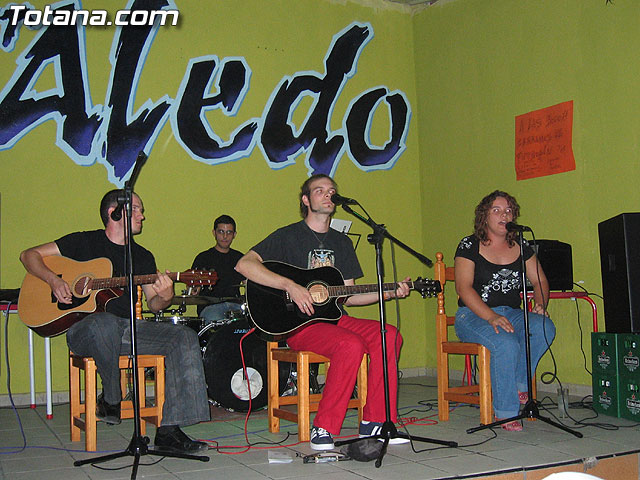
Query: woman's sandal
514	426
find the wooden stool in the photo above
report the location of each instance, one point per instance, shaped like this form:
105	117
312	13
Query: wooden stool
304	401
478	394
151	414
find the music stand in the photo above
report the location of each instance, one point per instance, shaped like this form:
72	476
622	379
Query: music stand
529	409
388	430
138	446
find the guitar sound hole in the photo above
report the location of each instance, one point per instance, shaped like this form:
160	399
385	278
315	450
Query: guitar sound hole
319	293
80	287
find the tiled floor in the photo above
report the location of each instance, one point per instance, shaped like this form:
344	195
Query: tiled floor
50	455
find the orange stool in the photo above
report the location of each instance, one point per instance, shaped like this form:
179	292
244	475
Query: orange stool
305	402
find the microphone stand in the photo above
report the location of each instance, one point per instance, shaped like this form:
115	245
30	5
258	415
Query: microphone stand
388	430
529	409
138	446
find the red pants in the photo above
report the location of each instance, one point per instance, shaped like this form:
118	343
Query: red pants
344	344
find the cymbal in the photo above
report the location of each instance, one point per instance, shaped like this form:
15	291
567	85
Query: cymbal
230	299
193	300
202	300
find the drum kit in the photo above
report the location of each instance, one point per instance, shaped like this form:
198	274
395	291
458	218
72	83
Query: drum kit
227	385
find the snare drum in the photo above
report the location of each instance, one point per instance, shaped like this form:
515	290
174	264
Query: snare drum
223	312
226	382
236	314
195	323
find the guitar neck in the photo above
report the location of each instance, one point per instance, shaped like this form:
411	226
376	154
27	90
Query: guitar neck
102	283
347	290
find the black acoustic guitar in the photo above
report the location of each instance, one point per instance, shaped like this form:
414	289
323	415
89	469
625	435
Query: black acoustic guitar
276	316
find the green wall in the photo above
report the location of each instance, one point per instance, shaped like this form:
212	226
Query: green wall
479	64
46	194
467	67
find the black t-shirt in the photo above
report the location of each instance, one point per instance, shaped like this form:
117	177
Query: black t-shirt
298	245
83	246
224	265
497	285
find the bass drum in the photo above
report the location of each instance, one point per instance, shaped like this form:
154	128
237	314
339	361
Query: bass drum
226	383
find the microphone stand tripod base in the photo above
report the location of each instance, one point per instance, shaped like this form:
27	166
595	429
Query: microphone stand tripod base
389	431
528	411
139	447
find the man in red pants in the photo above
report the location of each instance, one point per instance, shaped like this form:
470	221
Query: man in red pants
307	244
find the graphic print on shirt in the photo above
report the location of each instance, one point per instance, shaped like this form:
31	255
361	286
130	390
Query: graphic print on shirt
504	281
465	243
321	257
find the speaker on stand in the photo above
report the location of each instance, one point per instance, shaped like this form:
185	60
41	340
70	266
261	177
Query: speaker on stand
556	261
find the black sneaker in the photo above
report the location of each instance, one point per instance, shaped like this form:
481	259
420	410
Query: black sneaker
321	439
174	440
106	412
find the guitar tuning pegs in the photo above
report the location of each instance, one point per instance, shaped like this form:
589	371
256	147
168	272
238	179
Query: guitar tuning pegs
427	288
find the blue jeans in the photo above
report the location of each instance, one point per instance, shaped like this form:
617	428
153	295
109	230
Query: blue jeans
104	337
508	351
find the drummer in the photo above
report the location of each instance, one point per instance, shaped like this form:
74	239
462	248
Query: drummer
221	258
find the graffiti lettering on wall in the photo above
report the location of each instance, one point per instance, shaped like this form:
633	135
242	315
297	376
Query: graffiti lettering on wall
113	133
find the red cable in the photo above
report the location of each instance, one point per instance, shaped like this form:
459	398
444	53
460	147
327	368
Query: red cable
246	376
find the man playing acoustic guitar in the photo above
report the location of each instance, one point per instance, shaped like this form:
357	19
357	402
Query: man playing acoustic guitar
308	244
106	335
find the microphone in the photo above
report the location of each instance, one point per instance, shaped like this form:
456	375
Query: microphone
116	214
338	199
514	227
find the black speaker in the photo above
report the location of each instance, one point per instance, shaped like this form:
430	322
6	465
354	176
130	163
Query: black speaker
557	262
620	266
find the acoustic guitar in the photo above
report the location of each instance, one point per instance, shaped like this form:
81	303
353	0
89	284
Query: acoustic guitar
276	316
92	288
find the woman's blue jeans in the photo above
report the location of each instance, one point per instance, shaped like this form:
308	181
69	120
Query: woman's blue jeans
508	351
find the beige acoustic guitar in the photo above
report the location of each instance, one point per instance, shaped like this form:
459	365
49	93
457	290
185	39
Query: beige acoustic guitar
92	287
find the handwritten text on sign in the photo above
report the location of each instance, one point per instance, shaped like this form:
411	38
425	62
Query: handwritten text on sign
543	141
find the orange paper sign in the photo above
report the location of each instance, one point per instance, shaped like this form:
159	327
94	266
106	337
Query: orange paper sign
543	142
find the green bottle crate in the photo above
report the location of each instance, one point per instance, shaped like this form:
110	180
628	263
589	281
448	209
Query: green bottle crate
628	353
629	395
606	395
604	354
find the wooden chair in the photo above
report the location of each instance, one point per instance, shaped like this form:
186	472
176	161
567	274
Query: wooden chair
304	401
152	413
478	394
